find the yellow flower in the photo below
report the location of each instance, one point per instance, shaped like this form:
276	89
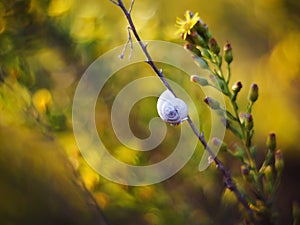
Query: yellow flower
185	25
42	99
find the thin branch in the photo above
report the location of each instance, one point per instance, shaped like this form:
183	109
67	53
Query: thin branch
129	41
131	6
144	46
228	181
114	2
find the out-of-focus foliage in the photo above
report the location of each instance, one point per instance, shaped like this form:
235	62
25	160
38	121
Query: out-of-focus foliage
37	183
45	46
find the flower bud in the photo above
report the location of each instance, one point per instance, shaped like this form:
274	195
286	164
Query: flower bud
218	143
269	179
248	120
245	170
228	57
205	53
193	49
198	39
253	93
220	83
202	29
269	173
200	62
237	87
213	103
246	173
279	164
187	38
271	142
213	79
200	80
214	47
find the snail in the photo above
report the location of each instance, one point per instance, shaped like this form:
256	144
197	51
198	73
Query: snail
171	109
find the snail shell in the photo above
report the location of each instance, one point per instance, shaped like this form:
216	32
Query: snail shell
171	109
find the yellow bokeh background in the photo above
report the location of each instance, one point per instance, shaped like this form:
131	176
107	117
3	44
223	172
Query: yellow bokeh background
45	47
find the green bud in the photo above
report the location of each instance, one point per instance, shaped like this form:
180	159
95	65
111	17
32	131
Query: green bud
193	49
237	87
217	142
200	26
228	57
208	35
200	61
245	171
269	179
279	163
271	142
269	173
221	84
205	53
200	80
188	38
213	103
202	30
213	79
248	120
253	93
198	39
213	46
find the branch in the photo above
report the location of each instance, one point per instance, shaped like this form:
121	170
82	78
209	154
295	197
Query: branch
228	181
143	46
129	41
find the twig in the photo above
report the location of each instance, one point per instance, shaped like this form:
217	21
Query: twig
228	181
129	41
114	2
143	46
131	6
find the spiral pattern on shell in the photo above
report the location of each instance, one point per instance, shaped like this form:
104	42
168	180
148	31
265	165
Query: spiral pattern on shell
171	109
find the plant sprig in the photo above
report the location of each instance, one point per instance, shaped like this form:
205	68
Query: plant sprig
228	181
263	180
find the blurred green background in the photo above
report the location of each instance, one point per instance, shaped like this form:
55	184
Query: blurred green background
45	46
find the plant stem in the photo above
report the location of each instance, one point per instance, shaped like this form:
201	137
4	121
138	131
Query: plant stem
229	183
245	135
228	74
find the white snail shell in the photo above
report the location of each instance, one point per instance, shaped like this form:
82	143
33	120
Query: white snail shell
171	109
